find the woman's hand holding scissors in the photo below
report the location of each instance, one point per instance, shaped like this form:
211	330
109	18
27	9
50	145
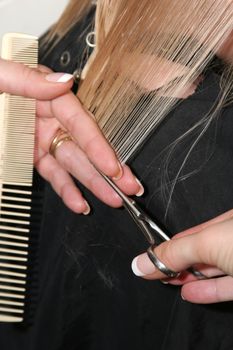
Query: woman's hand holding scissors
208	247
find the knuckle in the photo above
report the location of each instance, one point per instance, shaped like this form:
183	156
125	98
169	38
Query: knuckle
44	69
65	155
28	77
206	246
63	190
167	254
71	123
67	164
92	182
53	175
90	148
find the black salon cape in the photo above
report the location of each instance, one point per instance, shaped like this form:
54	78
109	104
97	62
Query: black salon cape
88	297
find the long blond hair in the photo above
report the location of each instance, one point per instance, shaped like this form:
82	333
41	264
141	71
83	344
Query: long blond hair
147	53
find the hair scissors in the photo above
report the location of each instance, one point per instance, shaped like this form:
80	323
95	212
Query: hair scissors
152	232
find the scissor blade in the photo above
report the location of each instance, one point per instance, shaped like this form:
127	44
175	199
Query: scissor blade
152	232
143	221
162	236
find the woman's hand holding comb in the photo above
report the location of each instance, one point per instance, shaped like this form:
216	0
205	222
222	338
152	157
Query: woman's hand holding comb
58	108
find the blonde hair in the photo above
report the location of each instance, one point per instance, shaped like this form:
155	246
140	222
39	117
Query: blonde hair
147	53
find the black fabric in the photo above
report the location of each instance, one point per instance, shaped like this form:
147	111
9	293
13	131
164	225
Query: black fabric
88	297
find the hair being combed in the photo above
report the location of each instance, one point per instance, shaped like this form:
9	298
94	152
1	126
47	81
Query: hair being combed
148	52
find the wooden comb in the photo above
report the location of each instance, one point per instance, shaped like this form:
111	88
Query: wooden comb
17	138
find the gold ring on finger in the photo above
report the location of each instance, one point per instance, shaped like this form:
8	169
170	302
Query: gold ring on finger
60	137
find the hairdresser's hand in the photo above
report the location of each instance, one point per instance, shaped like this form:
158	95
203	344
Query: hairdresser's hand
58	107
209	247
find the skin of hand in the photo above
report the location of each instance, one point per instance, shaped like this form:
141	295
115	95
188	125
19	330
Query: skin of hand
207	247
58	107
226	50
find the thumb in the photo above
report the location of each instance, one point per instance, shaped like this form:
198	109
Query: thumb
212	246
18	79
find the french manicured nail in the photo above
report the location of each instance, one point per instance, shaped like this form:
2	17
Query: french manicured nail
119	174
59	77
163	282
141	188
87	210
142	266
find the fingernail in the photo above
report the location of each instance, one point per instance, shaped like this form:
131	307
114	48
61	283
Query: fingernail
142	266
163	282
88	209
59	77
183	297
141	188
119	174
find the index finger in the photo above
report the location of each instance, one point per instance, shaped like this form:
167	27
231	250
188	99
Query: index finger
202	226
18	79
83	128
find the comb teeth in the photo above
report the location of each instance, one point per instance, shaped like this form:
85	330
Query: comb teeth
14	245
17	143
17	129
20	48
